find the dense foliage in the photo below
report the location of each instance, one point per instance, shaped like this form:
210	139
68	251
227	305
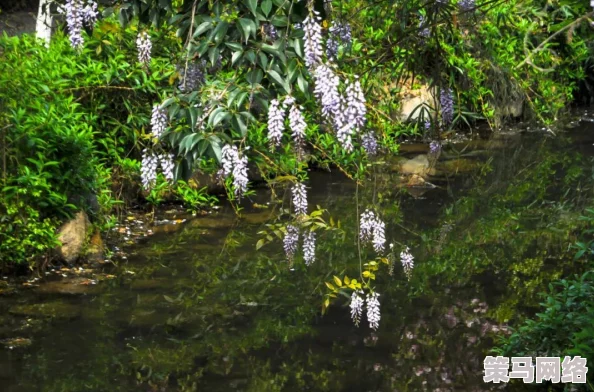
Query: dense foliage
157	90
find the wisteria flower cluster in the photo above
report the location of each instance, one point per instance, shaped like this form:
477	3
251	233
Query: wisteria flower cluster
466	4
357	304
144	47
446	100
276	123
291	244
339	34
150	164
77	13
424	31
309	247
192	76
298	125
300	199
270	32
434	147
312	39
373	308
372	229
236	165
407	260
346	113
158	121
369	143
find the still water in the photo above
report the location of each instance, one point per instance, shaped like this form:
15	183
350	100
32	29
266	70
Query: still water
194	307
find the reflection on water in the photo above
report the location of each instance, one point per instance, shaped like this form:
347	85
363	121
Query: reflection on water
200	310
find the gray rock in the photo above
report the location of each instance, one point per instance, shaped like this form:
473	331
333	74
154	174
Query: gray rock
73	235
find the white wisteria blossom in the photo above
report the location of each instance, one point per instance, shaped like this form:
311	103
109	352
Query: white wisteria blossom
309	247
148	169
366	224
355	99
291	242
372	228
379	236
288	101
236	165
144	47
312	39
158	121
276	123
407	261
298	126
326	90
373	310
167	165
299	198
357	303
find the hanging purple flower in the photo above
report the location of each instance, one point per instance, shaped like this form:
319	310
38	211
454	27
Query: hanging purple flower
167	165
192	76
339	34
424	31
326	90
148	168
466	5
300	199
373	310
291	242
236	165
446	99
158	121
312	39
144	46
298	126
276	123
77	14
369	143
309	247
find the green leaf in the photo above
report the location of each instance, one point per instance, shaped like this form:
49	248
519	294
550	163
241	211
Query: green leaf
236	57
252	4
276	78
239	125
202	28
337	281
248	27
235	46
260	243
266	7
216	149
302	83
330	286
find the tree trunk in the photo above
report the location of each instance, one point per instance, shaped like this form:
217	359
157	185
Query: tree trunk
43	28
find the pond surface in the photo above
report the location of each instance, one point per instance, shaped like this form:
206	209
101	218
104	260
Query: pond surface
196	308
